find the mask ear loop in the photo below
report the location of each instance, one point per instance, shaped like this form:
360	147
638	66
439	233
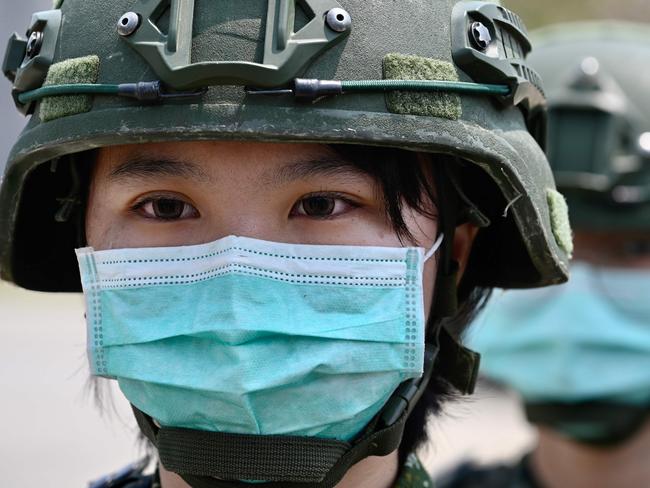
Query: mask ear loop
436	245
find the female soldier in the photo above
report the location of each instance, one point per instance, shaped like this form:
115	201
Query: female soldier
284	213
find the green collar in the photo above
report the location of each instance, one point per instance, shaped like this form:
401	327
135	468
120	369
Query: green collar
413	475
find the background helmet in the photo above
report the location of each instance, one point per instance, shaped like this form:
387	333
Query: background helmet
159	70
597	77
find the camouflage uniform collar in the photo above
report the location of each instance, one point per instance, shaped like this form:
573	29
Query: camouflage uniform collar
413	475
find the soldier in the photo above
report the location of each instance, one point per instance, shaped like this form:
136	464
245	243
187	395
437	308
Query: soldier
284	213
579	354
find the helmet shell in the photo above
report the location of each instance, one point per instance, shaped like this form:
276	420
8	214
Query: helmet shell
519	249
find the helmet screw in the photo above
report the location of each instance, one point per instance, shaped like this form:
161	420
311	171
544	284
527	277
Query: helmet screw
480	35
339	20
34	44
128	24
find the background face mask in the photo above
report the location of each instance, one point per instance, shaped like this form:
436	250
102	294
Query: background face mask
586	340
248	336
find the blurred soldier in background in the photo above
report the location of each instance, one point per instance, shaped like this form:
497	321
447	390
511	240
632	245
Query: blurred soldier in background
579	354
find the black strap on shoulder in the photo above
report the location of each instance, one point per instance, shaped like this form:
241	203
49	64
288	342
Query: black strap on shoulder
212	459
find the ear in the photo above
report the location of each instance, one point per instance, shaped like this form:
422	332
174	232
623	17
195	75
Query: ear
463	240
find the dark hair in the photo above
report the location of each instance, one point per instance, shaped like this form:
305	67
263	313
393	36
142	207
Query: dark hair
404	179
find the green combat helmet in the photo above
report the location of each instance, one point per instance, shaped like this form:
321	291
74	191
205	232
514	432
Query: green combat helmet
444	77
599	111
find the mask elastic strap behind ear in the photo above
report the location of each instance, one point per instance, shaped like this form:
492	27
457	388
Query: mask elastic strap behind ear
436	245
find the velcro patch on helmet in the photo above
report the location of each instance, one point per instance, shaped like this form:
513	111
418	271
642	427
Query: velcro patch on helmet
70	71
559	213
432	104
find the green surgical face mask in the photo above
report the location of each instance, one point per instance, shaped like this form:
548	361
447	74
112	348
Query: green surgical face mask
579	353
252	337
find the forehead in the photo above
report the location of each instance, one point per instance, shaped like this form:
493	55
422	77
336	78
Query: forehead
209	153
208	161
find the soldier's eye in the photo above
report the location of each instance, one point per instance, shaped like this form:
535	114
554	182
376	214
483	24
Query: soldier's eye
322	206
165	208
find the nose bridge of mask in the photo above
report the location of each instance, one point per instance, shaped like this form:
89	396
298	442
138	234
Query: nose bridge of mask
109	275
360	303
290	272
284	262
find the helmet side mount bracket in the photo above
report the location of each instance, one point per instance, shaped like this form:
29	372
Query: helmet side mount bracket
490	43
27	61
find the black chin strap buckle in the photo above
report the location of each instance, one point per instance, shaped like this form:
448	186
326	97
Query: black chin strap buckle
461	365
409	392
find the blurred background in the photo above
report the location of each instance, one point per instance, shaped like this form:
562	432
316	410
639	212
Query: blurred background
55	435
538	14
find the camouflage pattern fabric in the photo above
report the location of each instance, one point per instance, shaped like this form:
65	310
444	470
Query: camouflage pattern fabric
414	475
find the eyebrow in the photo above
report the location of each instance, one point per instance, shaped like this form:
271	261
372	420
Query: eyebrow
147	167
142	167
314	167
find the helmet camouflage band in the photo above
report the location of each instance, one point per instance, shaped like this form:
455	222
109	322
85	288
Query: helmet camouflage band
599	120
442	77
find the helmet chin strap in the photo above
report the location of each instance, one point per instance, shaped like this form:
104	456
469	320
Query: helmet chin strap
221	460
